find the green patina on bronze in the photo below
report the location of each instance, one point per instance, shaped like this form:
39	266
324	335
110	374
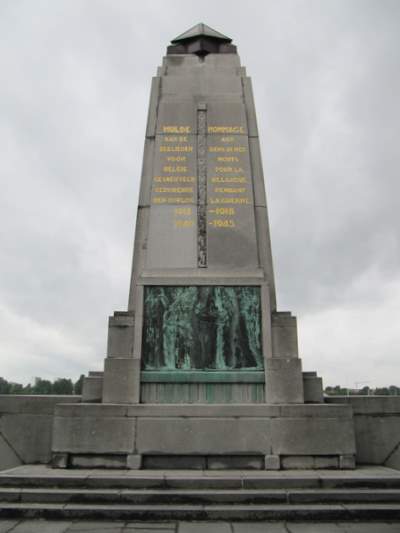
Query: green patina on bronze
200	376
203	328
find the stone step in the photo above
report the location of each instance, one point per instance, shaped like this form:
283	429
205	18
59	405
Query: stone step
191	481
203	496
349	511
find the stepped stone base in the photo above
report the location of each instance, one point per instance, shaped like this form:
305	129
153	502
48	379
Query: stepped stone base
37	491
211	437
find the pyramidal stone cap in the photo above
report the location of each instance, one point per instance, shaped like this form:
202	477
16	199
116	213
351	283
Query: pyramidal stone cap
201	30
201	40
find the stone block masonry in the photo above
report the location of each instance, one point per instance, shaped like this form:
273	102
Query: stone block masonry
202	370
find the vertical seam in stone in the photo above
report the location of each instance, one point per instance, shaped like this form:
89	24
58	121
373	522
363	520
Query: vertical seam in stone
202	185
135	424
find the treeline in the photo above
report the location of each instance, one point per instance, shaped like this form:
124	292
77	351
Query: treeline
365	391
67	386
42	386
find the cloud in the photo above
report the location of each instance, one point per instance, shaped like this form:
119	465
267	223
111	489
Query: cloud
354	343
31	348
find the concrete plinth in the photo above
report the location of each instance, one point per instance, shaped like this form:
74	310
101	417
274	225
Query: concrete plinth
120	380
212	436
284	381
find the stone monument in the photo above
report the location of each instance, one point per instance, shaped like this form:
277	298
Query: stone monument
202	371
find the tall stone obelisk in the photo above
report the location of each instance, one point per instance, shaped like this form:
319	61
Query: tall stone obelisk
202	367
202	279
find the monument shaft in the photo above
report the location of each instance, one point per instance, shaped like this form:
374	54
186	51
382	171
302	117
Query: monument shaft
202	196
202	293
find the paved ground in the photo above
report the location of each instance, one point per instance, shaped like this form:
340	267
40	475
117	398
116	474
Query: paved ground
44	526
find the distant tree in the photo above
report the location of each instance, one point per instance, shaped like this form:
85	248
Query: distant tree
28	389
337	391
42	386
16	388
66	386
62	386
78	385
393	390
4	386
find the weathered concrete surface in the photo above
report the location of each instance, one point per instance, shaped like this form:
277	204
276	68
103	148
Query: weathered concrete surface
208	436
8	455
284	381
120	335
377	427
313	388
377	423
33	404
175	430
26	428
94	434
92	389
284	335
120	382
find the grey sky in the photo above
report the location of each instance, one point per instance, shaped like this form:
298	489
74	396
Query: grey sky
75	81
